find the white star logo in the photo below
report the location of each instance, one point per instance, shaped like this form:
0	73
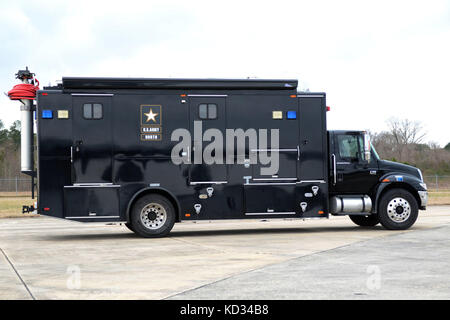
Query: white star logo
151	116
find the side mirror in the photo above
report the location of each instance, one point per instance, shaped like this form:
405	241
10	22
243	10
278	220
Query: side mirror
366	147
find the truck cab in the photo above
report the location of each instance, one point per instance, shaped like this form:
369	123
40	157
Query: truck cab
371	190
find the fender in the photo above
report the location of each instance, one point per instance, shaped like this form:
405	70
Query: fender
160	190
399	180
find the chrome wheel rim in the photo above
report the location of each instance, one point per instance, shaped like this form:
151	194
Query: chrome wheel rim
153	216
398	210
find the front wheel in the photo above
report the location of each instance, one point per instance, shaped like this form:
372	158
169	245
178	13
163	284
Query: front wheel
365	221
398	209
152	216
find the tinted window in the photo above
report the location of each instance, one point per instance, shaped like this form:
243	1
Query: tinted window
87	111
212	111
92	111
97	111
349	148
203	111
207	111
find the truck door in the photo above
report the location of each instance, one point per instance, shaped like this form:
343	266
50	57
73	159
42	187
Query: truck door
354	175
92	139
273	193
206	112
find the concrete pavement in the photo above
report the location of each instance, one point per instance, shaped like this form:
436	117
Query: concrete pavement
45	258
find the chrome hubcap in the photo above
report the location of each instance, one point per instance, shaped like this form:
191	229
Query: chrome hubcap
398	210
153	216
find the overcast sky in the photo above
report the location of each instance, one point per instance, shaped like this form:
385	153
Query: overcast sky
374	59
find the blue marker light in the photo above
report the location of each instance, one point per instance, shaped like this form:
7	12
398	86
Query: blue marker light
47	114
291	115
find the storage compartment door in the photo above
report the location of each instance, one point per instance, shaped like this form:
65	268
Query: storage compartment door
269	199
92	203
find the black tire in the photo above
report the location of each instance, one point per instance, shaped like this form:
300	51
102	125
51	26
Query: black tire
366	221
398	204
156	220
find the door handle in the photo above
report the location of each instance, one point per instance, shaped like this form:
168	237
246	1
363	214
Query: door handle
71	154
333	160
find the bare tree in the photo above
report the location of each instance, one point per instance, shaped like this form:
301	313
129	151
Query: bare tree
405	133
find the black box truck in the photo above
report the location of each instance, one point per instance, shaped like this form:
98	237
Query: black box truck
152	152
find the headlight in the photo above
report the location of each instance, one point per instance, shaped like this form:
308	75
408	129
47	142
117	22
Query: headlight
420	175
423	185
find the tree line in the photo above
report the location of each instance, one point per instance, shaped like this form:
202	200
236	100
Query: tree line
404	142
10	150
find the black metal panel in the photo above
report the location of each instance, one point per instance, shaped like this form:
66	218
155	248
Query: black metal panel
54	138
313	150
127	124
92	202
269	198
168	83
55	134
255	112
316	204
53	175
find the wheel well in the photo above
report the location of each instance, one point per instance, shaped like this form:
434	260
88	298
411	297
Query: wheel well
161	192
397	185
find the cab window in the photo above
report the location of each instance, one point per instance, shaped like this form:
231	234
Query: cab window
350	147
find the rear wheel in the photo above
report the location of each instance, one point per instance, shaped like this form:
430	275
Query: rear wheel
398	209
365	221
152	216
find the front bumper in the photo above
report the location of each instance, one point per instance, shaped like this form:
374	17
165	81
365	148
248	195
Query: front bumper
423	195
